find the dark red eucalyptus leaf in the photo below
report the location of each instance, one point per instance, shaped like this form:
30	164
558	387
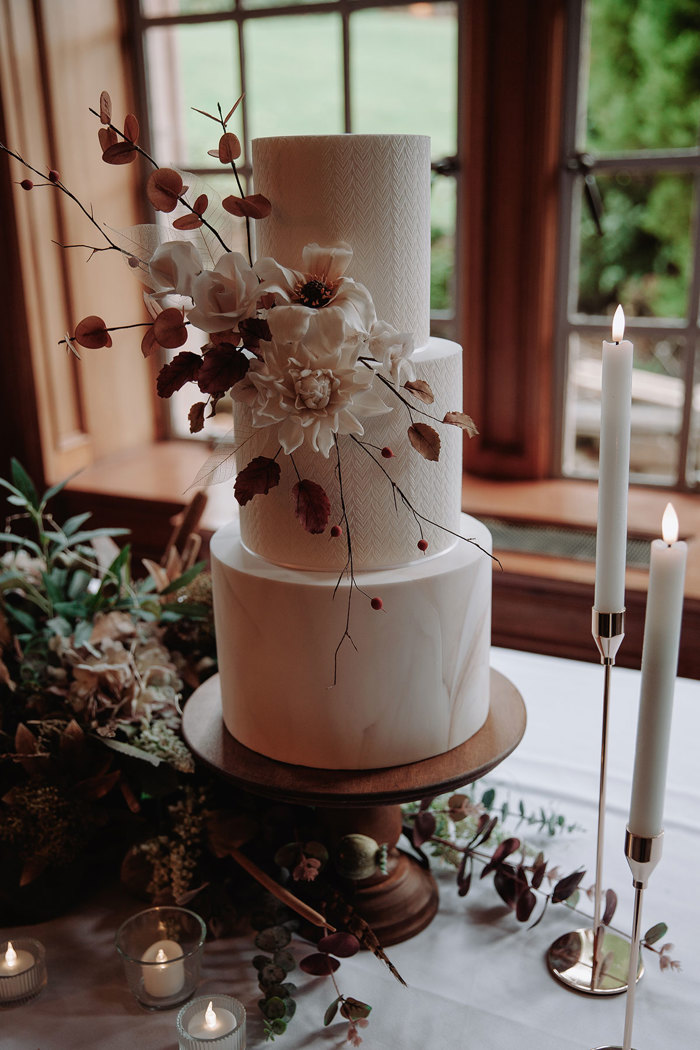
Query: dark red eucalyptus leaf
252	330
425	803
423	828
163	188
229	147
464	422
221	368
131	128
488	825
566	886
319	965
420	389
312	506
107	137
538	874
119	153
105	108
425	440
261	475
149	343
92	333
344	945
610	906
525	905
255	206
169	328
182	369
331	1012
196	417
464	882
506	886
201	204
354	1010
504	849
187	222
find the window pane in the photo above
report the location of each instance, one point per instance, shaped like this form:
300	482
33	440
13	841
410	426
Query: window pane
443	204
694	445
643	258
644	77
176	58
294	73
404	73
275	3
657	407
156	8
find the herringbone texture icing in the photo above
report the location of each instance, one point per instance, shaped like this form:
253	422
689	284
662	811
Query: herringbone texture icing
372	191
384	533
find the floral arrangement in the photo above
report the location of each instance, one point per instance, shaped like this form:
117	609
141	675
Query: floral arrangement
302	349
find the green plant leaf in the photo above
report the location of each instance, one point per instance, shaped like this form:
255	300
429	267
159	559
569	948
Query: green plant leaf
129	749
487	798
186	578
24	484
331	1012
55	489
23	618
655	933
191	610
86	536
21	541
73	524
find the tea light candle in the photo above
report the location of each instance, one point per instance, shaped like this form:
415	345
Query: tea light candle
165	973
212	1024
22	969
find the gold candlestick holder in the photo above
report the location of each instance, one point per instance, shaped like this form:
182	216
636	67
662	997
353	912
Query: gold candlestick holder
594	960
643	854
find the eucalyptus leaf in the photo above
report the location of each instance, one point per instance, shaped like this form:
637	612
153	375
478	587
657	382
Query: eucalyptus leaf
655	933
331	1012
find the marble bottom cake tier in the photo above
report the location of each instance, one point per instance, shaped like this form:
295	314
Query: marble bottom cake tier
416	685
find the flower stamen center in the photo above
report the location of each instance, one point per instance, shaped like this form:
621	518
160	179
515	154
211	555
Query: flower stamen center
314	293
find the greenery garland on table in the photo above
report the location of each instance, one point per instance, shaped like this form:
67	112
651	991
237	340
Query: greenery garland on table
95	777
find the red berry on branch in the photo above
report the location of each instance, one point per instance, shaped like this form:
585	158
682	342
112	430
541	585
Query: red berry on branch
53	175
27	184
422	545
377	603
133	261
336	530
387	453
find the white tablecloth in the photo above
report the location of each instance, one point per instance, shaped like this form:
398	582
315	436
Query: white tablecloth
476	977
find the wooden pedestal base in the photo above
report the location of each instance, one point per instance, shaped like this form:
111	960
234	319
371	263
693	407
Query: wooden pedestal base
401	903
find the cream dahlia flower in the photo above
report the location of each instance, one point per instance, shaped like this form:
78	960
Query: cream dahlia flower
311	385
225	295
320	285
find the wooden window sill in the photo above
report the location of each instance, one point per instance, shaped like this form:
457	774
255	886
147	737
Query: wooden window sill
144	489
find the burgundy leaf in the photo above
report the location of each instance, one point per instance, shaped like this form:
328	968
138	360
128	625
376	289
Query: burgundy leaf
196	417
423	828
187	222
182	369
538	872
425	440
610	906
105	107
504	849
354	1009
341	944
506	885
566	886
229	147
319	965
169	328
201	204
485	829
525	905
464	422
261	475
163	188
221	368
107	137
119	153
252	330
420	389
131	128
313	508
92	333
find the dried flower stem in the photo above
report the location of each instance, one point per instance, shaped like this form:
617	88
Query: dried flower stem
240	188
283	895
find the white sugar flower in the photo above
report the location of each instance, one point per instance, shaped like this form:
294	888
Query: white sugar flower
225	295
393	350
173	268
320	285
313	385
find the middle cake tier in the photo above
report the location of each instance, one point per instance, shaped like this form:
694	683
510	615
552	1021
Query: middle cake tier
384	531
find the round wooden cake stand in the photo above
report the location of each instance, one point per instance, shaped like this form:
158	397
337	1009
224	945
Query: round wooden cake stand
402	902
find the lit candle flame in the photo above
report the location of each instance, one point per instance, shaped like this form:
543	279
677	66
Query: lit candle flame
210	1018
669	524
161	957
10	955
618	325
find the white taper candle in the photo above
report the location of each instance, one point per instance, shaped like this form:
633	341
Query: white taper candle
662	631
613	472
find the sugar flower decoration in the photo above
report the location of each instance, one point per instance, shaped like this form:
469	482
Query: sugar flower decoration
225	295
311	385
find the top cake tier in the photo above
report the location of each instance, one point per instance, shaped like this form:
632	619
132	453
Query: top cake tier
372	191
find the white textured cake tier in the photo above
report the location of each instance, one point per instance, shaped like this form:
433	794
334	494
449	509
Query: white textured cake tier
372	191
417	685
383	530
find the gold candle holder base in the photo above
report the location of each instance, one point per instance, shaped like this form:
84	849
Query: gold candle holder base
570	959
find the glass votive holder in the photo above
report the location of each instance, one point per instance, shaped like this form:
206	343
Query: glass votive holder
161	949
22	970
212	1022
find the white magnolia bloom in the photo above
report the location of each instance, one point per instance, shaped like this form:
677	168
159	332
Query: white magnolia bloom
320	285
393	350
173	268
312	385
225	295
